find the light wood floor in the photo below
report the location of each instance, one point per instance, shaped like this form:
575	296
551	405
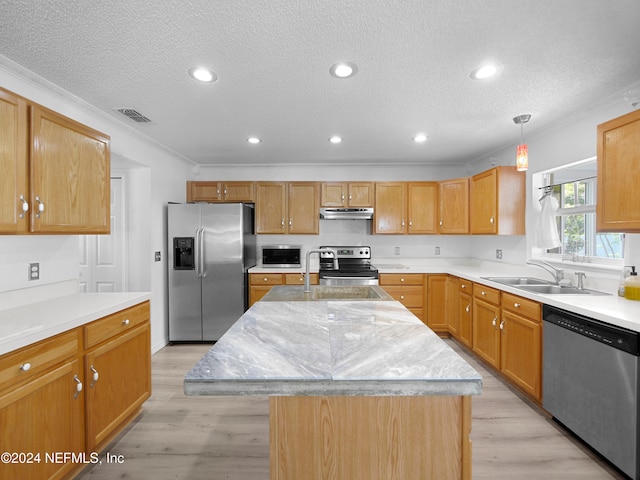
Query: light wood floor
217	438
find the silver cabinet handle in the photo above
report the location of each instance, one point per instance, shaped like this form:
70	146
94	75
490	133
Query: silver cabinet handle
502	325
40	207
494	322
516	305
95	377
350	197
282	224
441	223
342	197
468	309
24	206
290	223
126	322
463	286
491	221
403	223
78	386
483	293
25	367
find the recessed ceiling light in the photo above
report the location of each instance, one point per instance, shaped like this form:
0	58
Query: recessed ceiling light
335	139
485	71
344	69
420	138
203	75
253	140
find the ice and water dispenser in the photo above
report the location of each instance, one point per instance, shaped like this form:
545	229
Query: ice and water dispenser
183	253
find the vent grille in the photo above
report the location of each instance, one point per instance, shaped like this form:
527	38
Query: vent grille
133	115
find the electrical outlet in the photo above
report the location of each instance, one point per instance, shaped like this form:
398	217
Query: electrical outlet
498	253
396	250
437	250
158	257
34	271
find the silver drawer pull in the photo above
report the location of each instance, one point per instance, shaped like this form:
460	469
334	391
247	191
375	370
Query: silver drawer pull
78	386
126	322
96	376
25	367
516	305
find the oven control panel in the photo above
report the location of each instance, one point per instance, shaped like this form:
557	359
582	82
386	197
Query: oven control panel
354	252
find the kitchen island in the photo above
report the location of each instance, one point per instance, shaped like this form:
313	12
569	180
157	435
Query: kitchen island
358	388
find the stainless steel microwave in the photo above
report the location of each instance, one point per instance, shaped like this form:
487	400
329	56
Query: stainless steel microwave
285	256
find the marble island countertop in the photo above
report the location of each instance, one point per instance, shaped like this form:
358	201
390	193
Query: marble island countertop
330	347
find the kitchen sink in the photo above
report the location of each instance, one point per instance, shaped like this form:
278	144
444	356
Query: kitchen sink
559	290
518	281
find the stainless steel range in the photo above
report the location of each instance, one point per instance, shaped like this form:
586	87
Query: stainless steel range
354	266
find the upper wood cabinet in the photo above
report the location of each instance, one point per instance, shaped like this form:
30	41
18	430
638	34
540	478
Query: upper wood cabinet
220	191
618	174
498	202
55	172
422	207
454	206
347	194
14	190
390	211
287	207
70	176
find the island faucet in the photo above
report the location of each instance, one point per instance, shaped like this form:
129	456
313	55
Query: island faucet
558	273
307	282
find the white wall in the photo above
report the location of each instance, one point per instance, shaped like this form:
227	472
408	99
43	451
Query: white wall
153	176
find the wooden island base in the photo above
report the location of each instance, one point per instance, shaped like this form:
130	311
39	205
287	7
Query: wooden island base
372	438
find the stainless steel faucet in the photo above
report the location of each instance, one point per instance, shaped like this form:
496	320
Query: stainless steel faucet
558	273
581	276
307	282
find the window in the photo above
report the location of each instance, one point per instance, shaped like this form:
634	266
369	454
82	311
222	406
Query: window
574	187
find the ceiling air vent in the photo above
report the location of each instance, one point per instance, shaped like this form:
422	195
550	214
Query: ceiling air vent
133	115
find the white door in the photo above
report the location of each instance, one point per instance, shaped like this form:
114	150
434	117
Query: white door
102	257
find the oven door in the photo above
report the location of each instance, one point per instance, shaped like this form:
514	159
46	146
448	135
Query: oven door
332	278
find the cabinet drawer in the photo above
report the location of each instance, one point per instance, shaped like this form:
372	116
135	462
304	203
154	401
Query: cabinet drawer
265	279
521	306
401	279
115	324
409	296
487	294
30	361
465	286
298	278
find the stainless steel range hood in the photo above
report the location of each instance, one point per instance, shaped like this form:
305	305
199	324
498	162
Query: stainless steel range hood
346	213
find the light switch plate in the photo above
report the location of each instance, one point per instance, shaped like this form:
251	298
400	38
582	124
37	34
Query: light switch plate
158	256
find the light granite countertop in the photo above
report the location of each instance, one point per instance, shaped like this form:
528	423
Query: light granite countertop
329	347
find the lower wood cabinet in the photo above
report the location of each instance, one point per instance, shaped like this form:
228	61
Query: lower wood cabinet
261	283
521	343
408	289
436	302
486	321
73	393
465	312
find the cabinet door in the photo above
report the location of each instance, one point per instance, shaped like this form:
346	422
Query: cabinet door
334	194
42	417
360	194
484	200
521	352
454	206
204	192
422	207
436	302
304	208
14	192
390	208
618	174
238	192
123	369
465	309
70	176
486	332
271	207
452	310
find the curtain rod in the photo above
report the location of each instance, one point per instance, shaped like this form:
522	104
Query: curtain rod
565	183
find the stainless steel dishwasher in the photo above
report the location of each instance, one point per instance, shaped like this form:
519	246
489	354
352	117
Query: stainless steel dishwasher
590	384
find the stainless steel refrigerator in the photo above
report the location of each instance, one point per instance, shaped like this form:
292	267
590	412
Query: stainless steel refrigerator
211	247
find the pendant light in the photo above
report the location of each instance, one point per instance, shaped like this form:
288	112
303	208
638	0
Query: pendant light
522	151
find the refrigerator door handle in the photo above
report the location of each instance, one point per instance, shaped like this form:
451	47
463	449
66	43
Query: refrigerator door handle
197	253
203	272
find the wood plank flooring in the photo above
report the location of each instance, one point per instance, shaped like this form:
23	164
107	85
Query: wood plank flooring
226	438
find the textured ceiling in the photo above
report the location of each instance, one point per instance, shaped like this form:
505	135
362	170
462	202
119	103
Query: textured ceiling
273	57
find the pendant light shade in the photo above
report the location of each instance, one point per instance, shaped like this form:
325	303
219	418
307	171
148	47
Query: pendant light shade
522	151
